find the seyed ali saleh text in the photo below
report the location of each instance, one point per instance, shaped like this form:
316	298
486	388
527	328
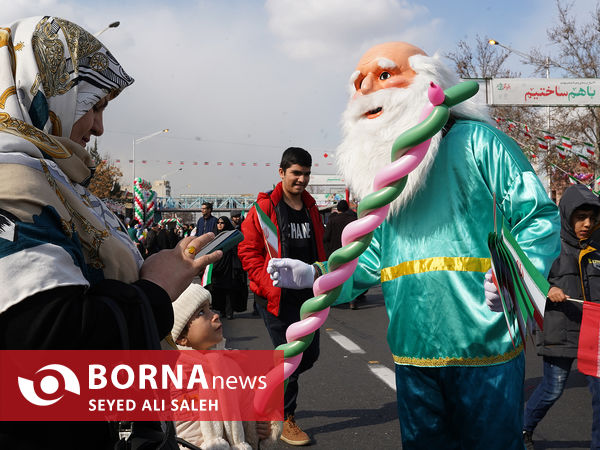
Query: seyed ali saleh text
191	403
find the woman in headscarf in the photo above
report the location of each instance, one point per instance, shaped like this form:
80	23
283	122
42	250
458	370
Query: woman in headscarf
71	278
228	284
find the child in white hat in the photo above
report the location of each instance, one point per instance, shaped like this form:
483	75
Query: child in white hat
197	327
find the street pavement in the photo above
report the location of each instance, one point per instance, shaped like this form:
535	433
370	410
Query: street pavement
347	400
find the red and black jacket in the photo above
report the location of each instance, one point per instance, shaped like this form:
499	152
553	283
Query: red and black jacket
253	253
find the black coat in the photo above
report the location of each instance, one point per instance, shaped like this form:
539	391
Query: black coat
152	245
229	278
562	320
332	239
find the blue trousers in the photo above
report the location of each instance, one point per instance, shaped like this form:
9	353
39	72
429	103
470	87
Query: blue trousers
454	408
556	374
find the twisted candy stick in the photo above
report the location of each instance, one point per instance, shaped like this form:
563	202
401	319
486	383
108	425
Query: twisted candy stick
372	211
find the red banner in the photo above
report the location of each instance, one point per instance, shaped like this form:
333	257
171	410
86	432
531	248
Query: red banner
141	385
588	352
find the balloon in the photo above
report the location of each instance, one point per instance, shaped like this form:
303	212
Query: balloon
144	200
408	151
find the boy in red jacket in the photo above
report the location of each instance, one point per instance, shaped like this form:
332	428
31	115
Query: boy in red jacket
299	236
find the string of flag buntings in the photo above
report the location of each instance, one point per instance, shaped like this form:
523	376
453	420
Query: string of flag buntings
212	163
544	140
540	139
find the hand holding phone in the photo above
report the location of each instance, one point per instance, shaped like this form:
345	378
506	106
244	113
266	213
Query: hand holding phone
224	241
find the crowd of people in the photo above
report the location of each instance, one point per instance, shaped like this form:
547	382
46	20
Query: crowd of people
76	277
158	236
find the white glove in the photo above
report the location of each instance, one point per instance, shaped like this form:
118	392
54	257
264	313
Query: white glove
492	298
290	273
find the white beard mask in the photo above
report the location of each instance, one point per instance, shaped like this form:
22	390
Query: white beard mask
367	144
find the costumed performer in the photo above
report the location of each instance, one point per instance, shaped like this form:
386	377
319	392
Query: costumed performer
459	377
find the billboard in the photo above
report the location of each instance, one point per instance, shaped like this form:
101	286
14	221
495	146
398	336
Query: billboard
543	91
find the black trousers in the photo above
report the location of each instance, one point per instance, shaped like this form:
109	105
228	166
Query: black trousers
277	326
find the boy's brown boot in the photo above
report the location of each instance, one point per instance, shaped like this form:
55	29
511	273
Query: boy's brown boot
292	434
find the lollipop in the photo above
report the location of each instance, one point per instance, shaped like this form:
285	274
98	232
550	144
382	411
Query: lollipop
372	211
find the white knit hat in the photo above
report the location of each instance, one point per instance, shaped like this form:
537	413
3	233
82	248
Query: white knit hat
192	299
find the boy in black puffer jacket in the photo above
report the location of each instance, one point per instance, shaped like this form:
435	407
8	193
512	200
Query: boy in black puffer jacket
575	274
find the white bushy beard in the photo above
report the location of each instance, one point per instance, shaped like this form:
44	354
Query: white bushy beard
367	143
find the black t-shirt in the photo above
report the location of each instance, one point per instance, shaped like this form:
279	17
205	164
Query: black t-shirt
300	235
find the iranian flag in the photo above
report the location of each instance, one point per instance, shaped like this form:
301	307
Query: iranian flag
548	136
207	276
572	179
536	285
584	161
523	290
588	353
542	143
589	148
561	151
269	231
566	142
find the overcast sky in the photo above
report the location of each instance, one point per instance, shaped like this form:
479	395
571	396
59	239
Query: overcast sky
239	81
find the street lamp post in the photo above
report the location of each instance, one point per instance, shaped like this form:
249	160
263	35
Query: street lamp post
111	25
164	177
137	141
531	61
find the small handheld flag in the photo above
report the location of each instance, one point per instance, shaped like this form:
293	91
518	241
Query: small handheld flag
523	290
269	231
207	276
588	352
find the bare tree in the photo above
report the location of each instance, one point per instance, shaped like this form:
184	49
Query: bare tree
578	57
483	62
487	61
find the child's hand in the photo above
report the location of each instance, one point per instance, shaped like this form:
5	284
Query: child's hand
556	295
263	430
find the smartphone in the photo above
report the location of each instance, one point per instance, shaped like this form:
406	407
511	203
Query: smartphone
223	241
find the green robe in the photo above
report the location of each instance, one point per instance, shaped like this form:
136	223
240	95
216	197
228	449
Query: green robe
431	257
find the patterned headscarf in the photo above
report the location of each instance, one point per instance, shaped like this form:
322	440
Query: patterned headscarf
52	72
